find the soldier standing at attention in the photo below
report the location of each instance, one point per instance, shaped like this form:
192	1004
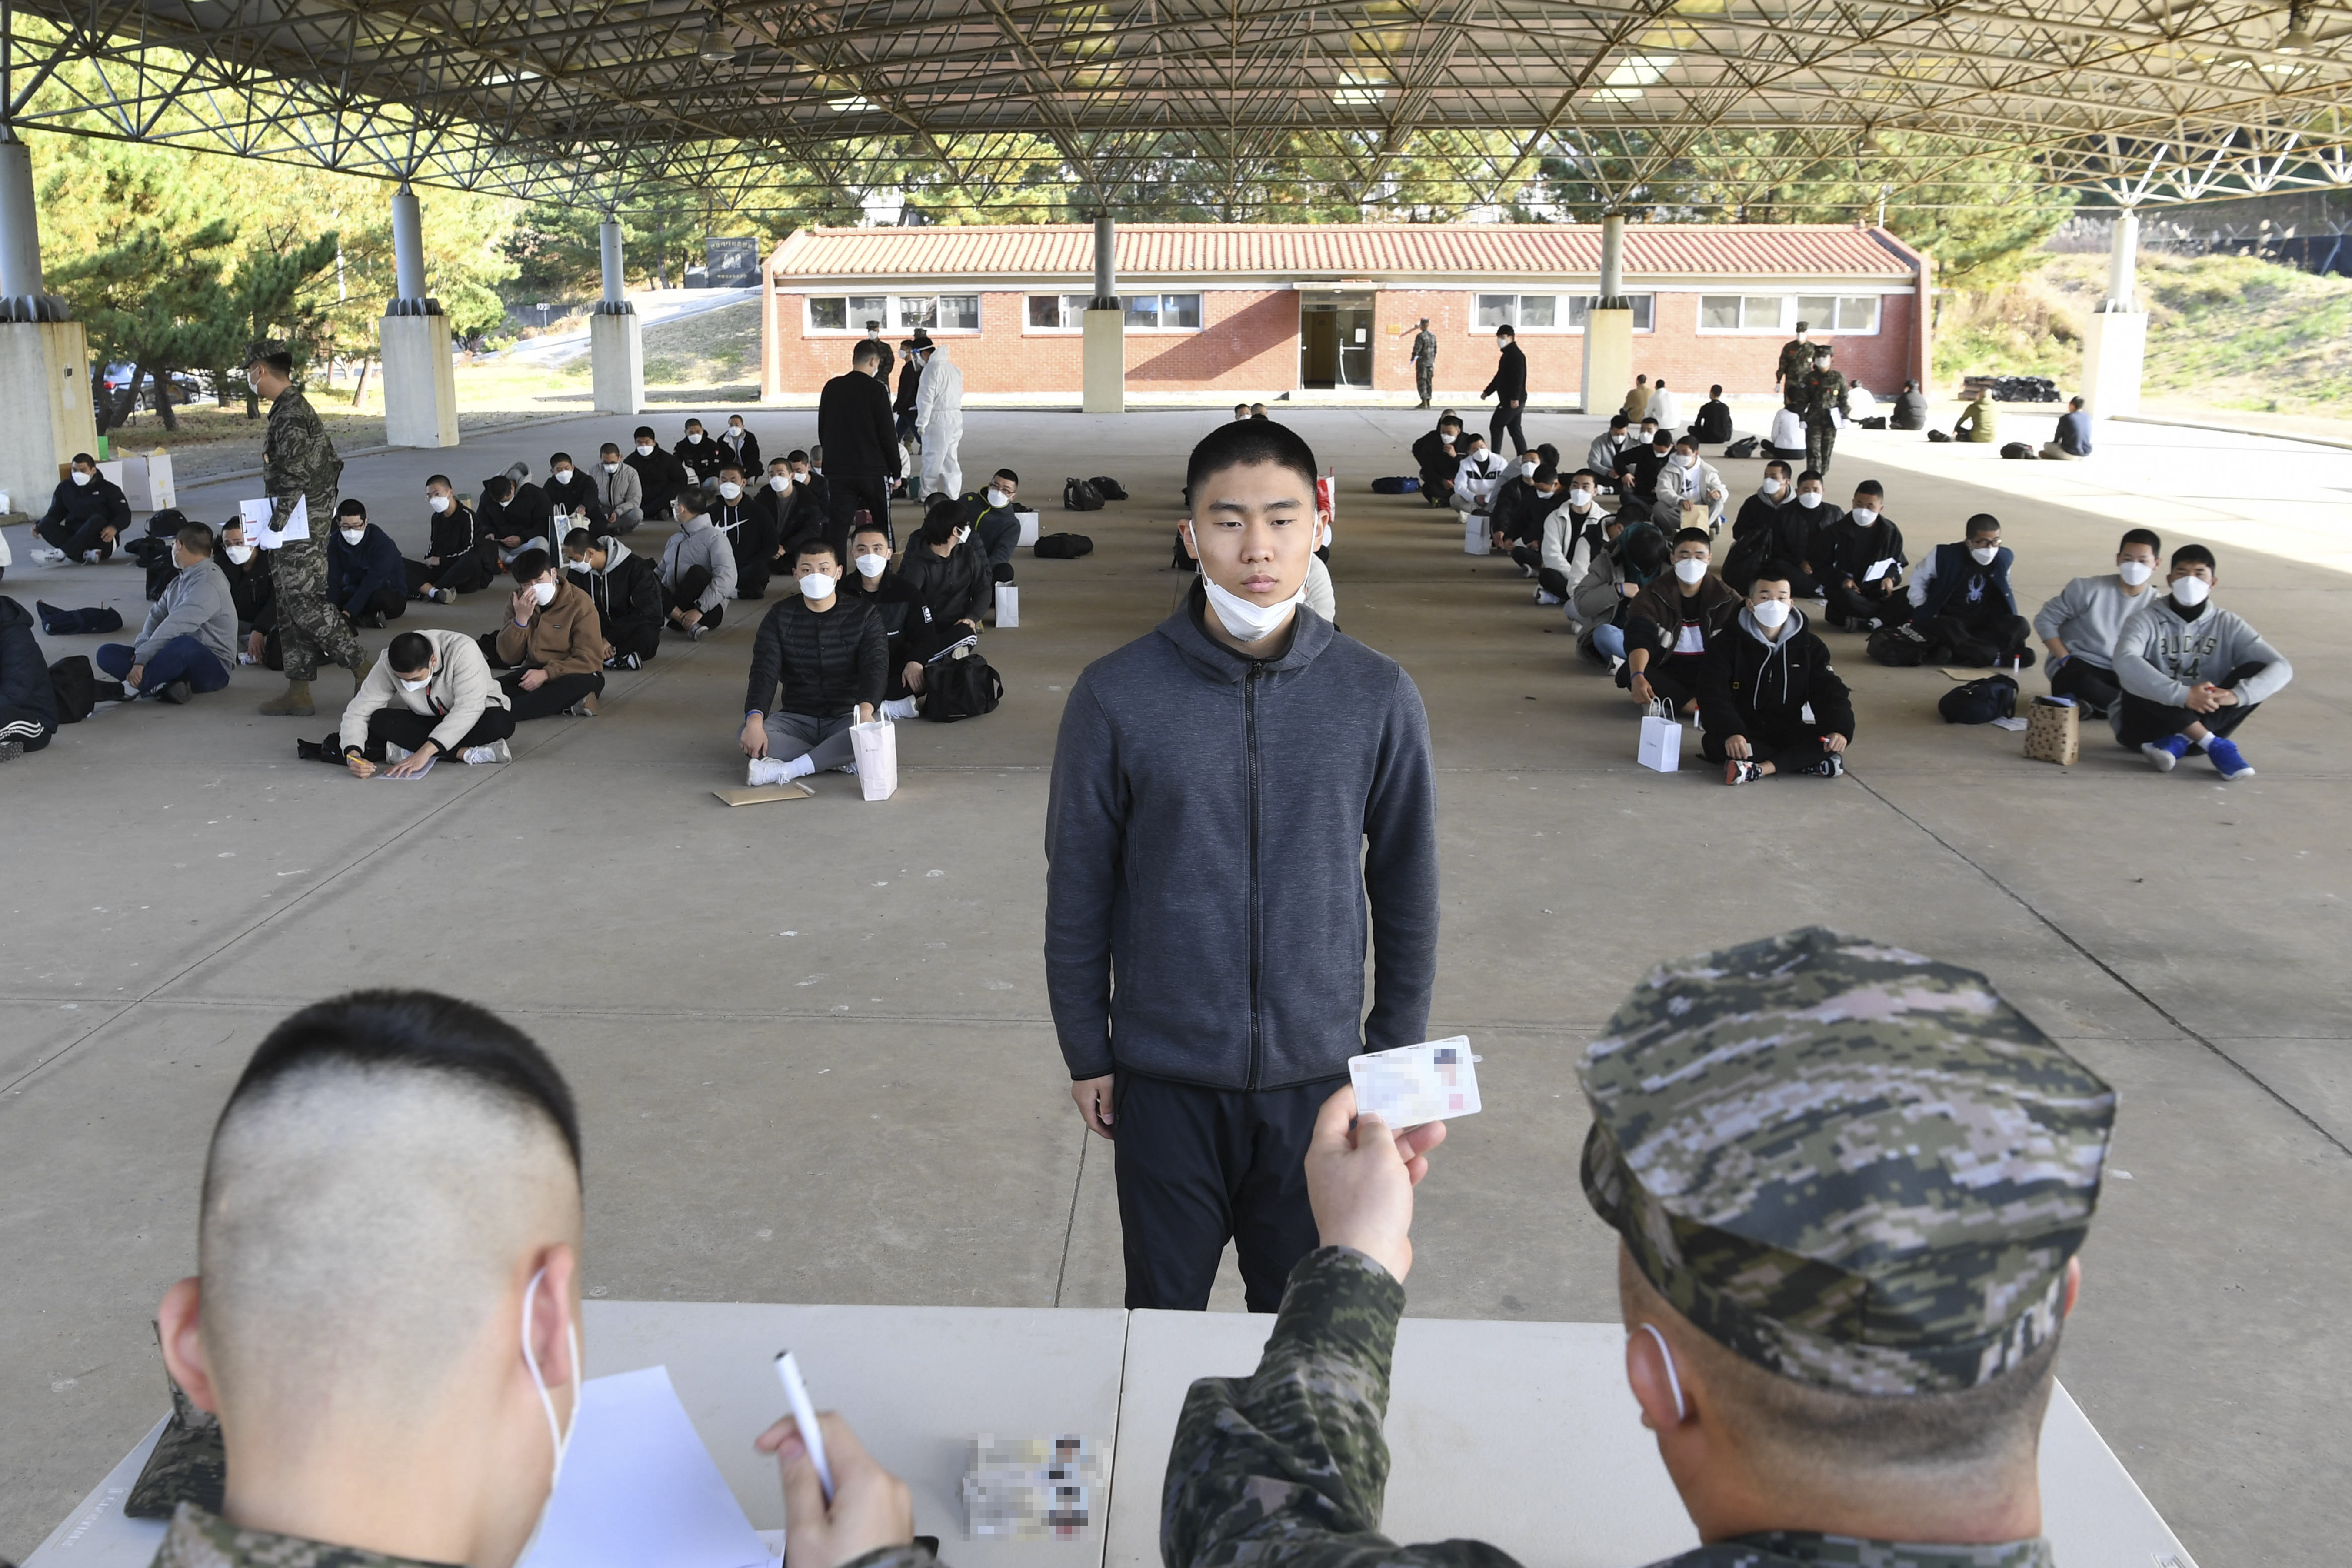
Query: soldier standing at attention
1824	399
298	463
1848	1184
1425	361
1796	364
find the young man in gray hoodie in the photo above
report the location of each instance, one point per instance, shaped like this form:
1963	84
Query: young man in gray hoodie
2192	672
1241	799
697	570
188	642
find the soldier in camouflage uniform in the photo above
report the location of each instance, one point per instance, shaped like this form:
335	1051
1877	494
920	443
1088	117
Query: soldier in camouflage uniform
1425	361
298	463
1846	1178
1796	364
1824	400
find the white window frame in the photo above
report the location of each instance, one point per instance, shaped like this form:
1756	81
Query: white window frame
1792	306
855	327
1074	310
1568	312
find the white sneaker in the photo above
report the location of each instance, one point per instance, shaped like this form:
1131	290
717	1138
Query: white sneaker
898	708
767	771
92	558
1547	600
392	754
47	554
496	751
849	768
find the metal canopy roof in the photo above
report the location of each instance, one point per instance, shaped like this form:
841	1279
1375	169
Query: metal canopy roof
2133	101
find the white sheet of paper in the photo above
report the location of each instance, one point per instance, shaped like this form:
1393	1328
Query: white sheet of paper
639	1490
1878	569
255	516
2009	723
1433	1081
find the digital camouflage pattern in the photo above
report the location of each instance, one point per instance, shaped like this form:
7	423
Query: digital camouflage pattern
1424	363
188	1463
1796	364
198	1538
1288	1468
1823	397
310	626
298	460
1857	1167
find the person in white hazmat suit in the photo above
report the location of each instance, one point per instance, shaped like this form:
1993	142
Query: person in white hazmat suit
939	422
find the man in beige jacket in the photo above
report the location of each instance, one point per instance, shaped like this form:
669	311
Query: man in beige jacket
431	695
551	647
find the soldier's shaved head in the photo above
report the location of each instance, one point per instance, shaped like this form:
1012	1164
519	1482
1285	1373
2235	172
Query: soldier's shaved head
382	1168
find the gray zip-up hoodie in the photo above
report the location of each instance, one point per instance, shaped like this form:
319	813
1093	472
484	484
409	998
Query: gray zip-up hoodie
198	604
1216	828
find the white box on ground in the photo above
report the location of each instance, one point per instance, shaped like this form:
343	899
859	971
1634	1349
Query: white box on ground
1028	529
1008	606
876	748
110	470
1662	744
1476	538
147	482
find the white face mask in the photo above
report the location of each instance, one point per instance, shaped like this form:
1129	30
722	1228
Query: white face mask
561	476
352	535
80	477
997	498
544	592
1529	469
240	553
439	504
419	684
1864	516
645	448
1580	500
870	566
1769	485
2191	592
2135	572
729	488
818	585
1983	557
1808	500
694	437
735	434
1771	613
1678	462
1246	619
1690	570
780	482
613	467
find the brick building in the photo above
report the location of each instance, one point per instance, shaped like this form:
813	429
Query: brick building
1253	311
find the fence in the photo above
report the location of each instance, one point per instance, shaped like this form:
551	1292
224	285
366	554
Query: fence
2322	247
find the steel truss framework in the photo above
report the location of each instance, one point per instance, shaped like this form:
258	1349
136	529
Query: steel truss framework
2133	102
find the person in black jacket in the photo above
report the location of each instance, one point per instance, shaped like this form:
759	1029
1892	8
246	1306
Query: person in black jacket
861	446
365	574
1910	409
697	454
750	531
905	622
1714	421
947	572
910	385
1523	500
513	516
660	476
571	492
251	589
1509	389
828	654
1864	541
995	518
87	513
458	552
792	507
1759	678
1438	454
742	448
626	591
28	703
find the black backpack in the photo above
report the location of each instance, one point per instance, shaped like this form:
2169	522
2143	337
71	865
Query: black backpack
1108	488
1080	495
1938	437
960	685
76	686
1901	648
1979	702
1061	547
1745	446
2018	451
1395	487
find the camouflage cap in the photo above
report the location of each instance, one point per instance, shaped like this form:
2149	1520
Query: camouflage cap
1857	1167
260	348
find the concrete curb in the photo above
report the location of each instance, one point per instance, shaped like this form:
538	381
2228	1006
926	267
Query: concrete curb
2233	430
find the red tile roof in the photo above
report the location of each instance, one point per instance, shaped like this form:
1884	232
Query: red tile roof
1654	251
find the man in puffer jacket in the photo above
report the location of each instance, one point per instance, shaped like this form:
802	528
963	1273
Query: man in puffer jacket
1760	676
625	591
827	652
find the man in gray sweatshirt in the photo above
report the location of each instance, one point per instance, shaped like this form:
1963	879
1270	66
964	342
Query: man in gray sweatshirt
1241	799
188	642
2192	672
2079	624
698	569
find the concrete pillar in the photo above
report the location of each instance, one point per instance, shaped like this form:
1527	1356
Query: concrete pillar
1104	352
616	343
2114	347
420	380
1613	262
44	410
1609	325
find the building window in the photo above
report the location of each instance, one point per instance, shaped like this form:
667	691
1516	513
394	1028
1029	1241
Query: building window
1855	314
1541	312
1163	312
902	312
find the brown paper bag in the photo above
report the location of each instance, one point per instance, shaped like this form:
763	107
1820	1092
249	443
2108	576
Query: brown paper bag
2053	732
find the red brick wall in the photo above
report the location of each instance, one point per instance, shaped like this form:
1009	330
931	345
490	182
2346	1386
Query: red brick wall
1248	346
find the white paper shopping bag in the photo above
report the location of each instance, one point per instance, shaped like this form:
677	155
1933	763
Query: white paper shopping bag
875	749
1477	538
1008	606
1662	744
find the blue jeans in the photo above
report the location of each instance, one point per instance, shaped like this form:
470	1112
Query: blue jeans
182	659
1610	641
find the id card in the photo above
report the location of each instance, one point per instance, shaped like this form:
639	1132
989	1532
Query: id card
1433	1081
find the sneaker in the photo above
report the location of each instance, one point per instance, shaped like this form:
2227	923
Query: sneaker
2164	756
92	558
765	771
626	661
176	693
11	749
108	692
445	595
1829	767
2226	760
698	631
46	555
1735	771
585	708
1615	664
1547	600
849	768
476	757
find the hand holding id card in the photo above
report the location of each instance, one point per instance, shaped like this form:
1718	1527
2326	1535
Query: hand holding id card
1433	1081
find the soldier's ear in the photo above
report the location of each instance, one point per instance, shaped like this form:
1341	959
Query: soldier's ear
178	1326
2074	1286
1656	1383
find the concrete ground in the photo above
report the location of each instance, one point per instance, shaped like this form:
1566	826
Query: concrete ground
175	881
